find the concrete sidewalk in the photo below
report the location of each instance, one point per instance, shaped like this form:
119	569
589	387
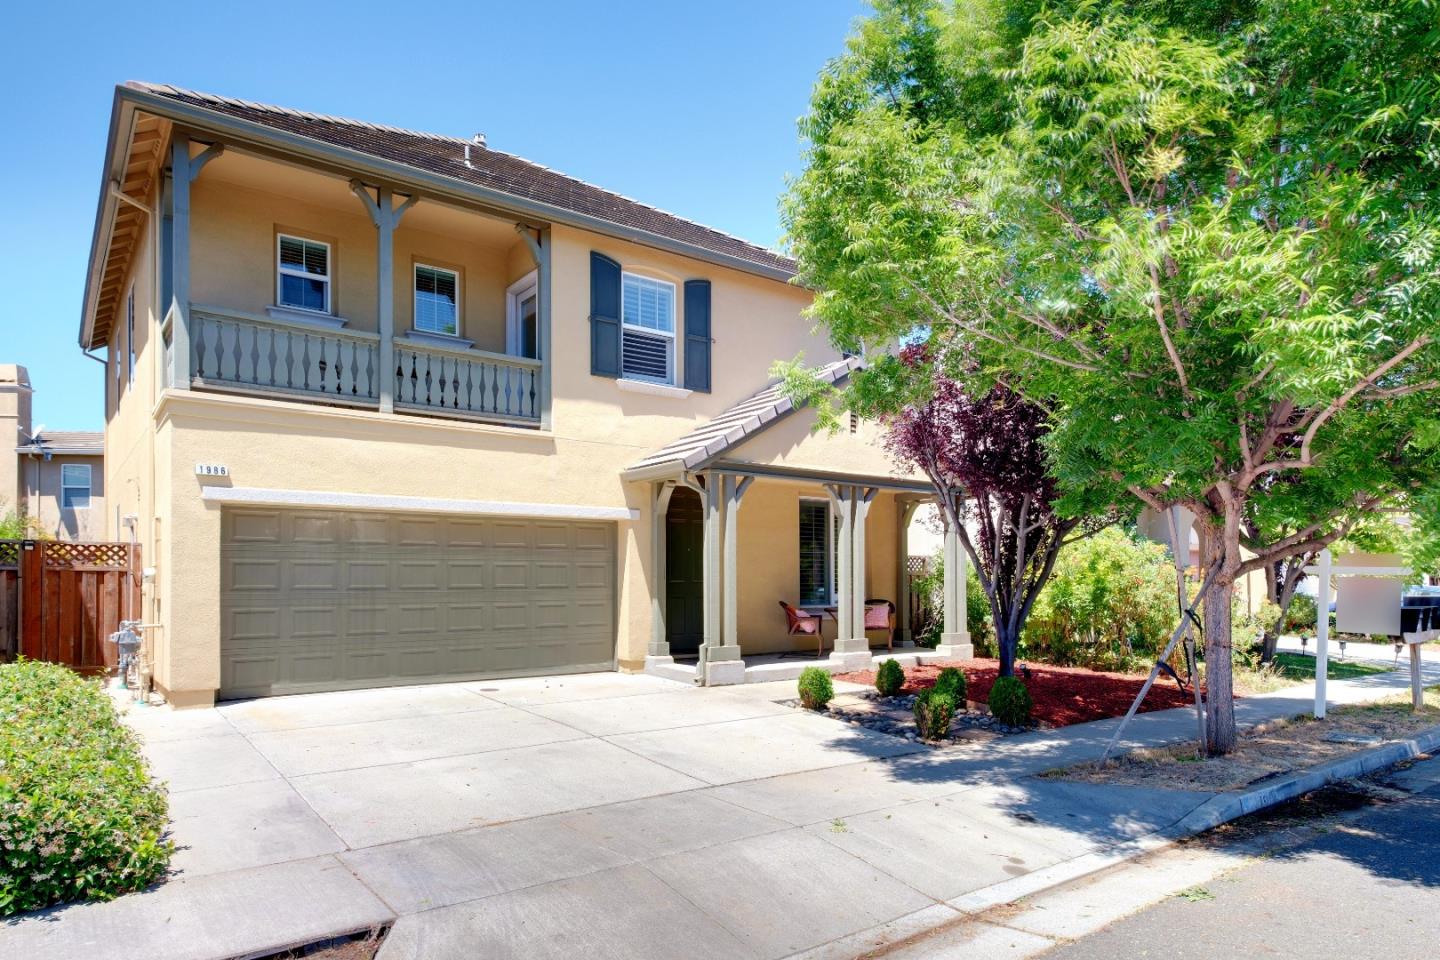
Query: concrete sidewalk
637	816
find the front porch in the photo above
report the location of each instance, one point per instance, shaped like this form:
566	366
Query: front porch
831	546
768	667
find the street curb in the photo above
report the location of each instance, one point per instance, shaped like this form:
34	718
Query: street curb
1208	815
1222	809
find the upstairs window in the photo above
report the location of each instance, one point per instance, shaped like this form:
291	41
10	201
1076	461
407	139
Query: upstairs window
647	329
437	299
304	274
75	486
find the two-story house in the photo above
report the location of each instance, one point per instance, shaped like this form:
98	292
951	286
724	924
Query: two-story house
398	407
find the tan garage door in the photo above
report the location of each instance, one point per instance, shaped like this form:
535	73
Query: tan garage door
330	600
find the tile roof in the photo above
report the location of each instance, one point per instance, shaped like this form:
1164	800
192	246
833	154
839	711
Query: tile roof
66	443
732	427
489	168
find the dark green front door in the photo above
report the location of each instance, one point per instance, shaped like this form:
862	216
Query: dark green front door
684	572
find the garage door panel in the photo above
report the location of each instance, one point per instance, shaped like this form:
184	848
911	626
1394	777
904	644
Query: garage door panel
372	530
465	575
251	526
319	600
310	574
310	529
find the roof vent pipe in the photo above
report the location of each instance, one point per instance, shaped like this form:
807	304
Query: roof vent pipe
476	141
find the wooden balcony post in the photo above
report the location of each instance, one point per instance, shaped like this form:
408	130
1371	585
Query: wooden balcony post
183	171
385	216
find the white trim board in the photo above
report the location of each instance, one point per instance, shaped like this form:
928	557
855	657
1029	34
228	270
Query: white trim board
373	501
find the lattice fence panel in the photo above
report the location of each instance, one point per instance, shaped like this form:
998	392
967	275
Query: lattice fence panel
918	566
9	553
60	555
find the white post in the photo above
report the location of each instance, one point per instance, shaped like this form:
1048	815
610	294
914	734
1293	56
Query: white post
1322	634
955	643
659	508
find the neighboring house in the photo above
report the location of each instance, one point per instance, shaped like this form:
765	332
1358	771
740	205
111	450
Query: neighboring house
397	407
54	477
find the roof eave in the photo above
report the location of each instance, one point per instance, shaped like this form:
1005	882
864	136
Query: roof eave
121	116
400	173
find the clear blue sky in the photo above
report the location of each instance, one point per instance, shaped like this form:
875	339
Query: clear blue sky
686	106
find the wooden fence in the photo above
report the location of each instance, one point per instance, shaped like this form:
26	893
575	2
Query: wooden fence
60	601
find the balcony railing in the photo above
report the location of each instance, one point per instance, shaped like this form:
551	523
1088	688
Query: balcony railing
245	353
448	382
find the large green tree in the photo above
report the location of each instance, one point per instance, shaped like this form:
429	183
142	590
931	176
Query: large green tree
1203	236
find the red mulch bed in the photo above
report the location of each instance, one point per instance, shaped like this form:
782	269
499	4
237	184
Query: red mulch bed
1062	695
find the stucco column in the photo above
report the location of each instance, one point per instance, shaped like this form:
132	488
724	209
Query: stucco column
852	649
904	515
720	661
955	641
659	651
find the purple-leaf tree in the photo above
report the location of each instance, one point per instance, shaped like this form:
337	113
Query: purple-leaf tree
984	454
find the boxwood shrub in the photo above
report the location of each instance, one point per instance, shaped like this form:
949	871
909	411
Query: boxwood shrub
816	688
1010	702
79	815
933	713
889	678
951	681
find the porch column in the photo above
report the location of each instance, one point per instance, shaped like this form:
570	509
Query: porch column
183	171
852	649
720	661
659	651
734	490
385	216
906	514
955	640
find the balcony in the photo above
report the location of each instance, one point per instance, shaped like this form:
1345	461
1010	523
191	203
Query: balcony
236	352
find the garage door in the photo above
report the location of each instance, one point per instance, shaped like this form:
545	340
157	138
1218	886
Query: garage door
329	600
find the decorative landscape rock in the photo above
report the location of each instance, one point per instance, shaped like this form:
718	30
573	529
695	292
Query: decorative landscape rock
894	716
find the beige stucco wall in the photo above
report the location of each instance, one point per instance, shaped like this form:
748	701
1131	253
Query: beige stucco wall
768	563
598	428
40	481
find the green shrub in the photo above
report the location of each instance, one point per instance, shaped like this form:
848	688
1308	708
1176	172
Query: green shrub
1010	702
79	815
816	689
951	682
933	713
1300	618
1110	604
889	678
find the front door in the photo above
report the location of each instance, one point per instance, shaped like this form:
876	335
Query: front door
684	572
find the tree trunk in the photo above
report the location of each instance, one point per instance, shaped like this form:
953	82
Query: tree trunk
1006	645
1220	700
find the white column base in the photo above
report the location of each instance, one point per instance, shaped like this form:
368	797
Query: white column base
848	660
954	646
720	673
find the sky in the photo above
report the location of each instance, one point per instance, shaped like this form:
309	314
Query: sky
686	106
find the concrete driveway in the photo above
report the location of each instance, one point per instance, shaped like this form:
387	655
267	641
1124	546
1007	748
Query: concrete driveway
624	816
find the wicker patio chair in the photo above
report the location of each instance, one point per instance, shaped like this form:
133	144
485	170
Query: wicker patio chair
803	623
880	615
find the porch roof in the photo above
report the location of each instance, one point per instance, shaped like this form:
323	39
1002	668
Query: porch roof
730	428
712	445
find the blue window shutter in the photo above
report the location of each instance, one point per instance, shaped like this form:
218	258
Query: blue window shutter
604	316
697	335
